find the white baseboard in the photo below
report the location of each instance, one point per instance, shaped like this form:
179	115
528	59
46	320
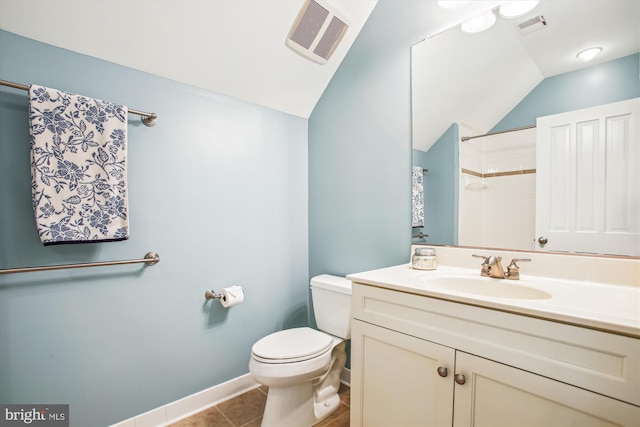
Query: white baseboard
187	406
345	377
190	405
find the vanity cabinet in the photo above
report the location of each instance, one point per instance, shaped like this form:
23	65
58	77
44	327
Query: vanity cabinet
399	384
420	361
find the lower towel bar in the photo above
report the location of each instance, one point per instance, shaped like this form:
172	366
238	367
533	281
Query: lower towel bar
151	258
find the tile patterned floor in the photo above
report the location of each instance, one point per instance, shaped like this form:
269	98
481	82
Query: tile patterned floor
246	411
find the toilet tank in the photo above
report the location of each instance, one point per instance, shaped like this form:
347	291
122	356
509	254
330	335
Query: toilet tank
331	297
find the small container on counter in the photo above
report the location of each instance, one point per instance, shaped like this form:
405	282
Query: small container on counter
424	259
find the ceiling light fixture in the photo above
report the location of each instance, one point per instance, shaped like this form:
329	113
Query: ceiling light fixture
451	4
479	24
588	54
515	9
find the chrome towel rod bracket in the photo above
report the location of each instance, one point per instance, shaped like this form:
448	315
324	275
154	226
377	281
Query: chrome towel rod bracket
151	258
148	119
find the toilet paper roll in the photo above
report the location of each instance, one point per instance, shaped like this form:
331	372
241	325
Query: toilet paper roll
231	296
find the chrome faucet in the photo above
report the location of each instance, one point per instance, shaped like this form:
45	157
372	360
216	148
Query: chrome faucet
492	267
495	267
485	269
513	270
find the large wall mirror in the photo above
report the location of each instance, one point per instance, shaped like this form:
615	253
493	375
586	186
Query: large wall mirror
523	145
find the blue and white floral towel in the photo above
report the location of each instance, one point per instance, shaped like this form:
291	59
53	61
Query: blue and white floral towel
78	167
417	197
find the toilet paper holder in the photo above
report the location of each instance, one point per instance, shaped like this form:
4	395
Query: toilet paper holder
211	294
228	297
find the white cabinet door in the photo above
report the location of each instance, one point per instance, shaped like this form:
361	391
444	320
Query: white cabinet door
498	395
587	180
395	379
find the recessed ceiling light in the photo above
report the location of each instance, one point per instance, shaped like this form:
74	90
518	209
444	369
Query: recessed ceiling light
588	54
479	24
514	9
451	4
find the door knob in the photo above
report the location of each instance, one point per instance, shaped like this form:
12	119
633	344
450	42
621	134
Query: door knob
442	371
460	379
542	240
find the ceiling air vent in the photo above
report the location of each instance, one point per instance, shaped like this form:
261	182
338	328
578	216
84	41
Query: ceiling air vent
317	30
533	24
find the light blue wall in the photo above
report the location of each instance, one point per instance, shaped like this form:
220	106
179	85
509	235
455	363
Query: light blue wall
419	158
218	188
360	150
440	188
604	83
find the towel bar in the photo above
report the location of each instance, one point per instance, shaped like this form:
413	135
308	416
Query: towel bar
148	119
151	258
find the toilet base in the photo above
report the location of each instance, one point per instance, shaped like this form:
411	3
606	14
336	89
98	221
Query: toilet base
307	403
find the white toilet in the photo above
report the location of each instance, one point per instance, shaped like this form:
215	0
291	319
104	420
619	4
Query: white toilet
302	366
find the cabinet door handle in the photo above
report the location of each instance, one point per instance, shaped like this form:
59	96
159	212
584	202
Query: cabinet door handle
442	371
459	378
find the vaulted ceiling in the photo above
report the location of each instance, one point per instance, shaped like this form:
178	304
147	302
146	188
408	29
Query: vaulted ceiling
477	79
237	47
232	47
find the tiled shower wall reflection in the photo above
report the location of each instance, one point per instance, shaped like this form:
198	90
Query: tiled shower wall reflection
497	190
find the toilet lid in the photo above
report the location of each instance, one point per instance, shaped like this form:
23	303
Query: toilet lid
292	345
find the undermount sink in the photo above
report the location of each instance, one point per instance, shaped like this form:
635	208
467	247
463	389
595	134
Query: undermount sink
485	286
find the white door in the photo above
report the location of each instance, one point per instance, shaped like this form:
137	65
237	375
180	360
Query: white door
399	380
587	187
497	395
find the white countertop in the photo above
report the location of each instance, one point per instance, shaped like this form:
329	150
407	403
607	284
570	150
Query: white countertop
610	307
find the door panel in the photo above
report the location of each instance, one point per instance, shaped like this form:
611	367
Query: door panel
497	395
397	382
588	184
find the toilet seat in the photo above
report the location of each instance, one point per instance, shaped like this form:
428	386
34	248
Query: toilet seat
291	345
